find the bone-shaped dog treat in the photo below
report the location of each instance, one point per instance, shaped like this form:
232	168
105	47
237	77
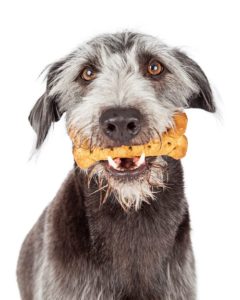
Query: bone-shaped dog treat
173	143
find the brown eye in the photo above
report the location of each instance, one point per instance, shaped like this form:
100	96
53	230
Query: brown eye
88	74
155	68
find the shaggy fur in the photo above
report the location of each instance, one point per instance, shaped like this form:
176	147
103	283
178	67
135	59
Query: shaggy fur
103	237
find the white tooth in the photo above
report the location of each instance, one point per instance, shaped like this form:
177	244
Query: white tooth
112	162
141	160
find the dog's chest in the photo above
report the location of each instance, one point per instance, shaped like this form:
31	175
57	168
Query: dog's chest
131	249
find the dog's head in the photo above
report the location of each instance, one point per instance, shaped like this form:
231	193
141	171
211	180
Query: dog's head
120	89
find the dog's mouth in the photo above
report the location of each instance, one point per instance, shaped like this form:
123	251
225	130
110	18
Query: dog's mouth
127	167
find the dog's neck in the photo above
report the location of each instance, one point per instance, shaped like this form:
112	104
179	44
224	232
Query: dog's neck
108	220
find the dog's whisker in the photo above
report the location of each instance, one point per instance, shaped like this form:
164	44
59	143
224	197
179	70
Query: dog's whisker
99	189
108	192
159	135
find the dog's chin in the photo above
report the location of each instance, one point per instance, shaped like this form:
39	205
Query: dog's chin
130	180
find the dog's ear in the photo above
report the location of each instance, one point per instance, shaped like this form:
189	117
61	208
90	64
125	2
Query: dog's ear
46	110
204	98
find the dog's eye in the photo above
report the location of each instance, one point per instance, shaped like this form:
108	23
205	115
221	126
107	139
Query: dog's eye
154	68
88	74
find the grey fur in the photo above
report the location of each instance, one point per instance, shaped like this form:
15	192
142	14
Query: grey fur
104	261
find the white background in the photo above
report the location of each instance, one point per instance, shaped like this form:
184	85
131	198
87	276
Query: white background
35	33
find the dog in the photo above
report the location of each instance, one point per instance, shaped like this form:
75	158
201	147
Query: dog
120	229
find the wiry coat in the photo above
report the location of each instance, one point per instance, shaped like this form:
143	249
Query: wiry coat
81	249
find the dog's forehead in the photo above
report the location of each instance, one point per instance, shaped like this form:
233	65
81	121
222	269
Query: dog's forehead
121	49
122	42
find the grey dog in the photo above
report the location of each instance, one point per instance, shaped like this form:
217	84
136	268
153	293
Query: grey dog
120	229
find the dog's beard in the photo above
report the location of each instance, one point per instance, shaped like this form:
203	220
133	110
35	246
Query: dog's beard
130	193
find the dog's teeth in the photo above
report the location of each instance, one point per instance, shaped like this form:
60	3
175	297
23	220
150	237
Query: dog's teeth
112	162
141	160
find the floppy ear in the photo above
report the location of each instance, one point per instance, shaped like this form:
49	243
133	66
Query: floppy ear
204	98
46	110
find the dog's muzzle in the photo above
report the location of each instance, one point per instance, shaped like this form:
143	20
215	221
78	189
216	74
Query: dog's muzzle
121	125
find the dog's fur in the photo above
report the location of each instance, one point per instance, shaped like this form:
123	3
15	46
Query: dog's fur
136	244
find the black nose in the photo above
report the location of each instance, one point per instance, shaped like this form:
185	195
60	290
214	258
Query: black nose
121	124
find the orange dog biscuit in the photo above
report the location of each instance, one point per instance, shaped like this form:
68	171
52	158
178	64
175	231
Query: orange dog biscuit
173	143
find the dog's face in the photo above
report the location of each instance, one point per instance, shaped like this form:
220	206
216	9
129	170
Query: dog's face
122	89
